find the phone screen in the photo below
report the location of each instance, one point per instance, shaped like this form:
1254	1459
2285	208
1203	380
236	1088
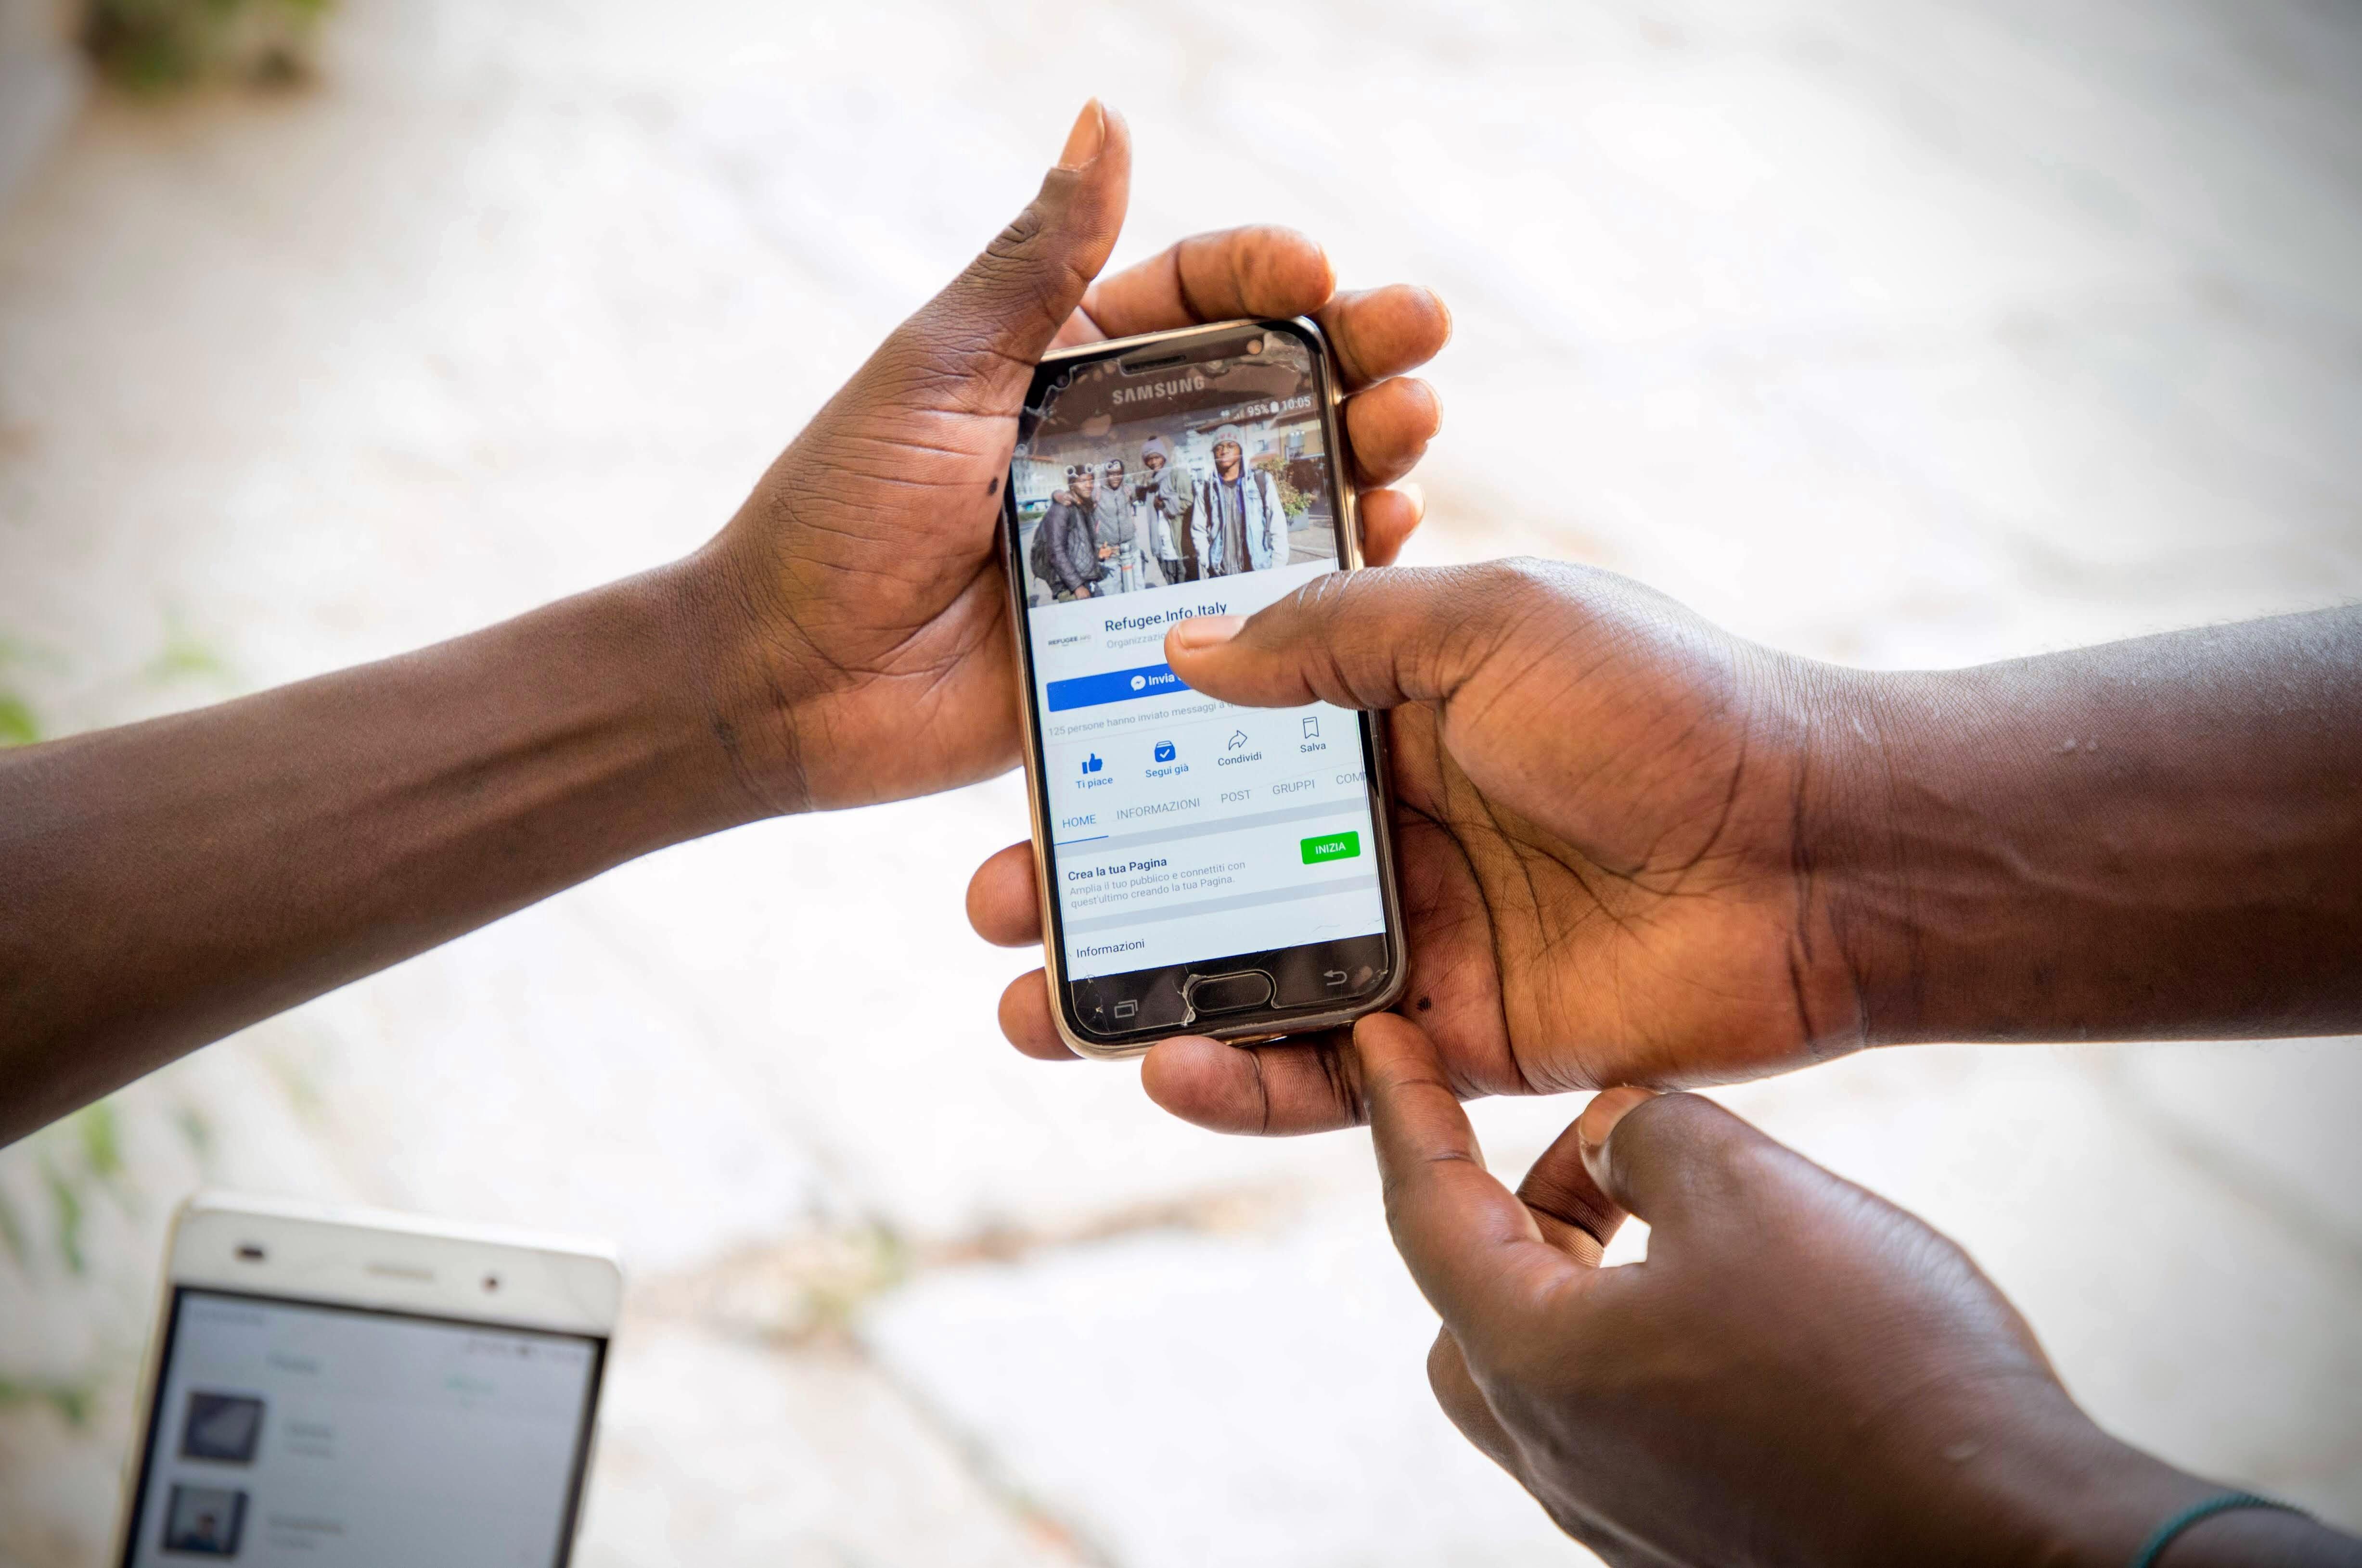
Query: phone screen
293	1432
1189	838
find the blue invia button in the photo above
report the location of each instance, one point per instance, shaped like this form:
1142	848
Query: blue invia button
1114	686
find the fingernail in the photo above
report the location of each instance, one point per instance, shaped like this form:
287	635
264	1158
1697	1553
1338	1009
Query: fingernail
1450	326
1606	1109
1206	632
1090	135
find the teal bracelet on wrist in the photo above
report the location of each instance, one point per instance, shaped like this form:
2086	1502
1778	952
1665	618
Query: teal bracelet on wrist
2229	1502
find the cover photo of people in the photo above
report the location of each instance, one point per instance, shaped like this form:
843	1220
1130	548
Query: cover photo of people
1235	484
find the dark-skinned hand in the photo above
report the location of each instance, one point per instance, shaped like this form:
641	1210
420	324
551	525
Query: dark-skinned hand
1799	1374
844	638
1598	803
1636	848
876	657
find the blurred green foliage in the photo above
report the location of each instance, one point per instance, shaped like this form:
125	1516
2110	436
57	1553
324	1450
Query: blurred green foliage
67	1213
183	655
156	45
73	1160
70	1398
16	726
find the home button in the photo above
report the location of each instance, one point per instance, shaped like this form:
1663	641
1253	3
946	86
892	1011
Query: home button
1229	992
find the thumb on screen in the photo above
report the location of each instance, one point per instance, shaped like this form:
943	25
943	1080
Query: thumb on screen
1373	639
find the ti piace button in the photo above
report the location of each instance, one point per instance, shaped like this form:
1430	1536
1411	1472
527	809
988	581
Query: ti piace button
1332	846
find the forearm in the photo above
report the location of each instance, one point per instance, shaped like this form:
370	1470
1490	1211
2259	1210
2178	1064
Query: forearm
2047	1486
2159	837
165	883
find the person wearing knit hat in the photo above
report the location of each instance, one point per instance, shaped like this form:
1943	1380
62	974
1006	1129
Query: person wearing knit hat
1239	525
1067	545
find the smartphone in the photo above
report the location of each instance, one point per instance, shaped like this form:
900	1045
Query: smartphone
1205	869
349	1387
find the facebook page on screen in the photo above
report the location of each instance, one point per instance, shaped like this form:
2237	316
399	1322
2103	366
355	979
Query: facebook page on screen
1186	830
292	1433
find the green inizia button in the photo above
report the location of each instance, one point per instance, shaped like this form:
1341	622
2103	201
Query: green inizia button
1332	846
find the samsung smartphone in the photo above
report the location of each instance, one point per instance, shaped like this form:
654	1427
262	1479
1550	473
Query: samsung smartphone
366	1390
1205	869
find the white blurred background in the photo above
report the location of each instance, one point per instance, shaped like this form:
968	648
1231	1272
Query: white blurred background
1888	331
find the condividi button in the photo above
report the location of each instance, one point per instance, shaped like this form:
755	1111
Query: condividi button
1332	846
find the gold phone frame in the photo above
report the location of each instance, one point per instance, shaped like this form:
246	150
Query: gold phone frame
1255	1026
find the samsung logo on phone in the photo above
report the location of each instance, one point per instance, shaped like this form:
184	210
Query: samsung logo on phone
1160	389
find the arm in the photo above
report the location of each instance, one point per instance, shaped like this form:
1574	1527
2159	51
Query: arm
1267	544
2153	839
1274	523
843	640
165	883
1636	848
1799	1372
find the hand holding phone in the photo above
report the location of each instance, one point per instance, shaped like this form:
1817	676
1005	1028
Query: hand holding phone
1599	829
841	641
849	587
1638	848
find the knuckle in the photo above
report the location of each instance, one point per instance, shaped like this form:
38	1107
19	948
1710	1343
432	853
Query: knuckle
1443	1365
1023	278
1019	238
1531	581
1721	1169
1451	1378
1395	1203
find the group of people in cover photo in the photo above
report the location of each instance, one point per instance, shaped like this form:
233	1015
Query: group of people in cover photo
1186	507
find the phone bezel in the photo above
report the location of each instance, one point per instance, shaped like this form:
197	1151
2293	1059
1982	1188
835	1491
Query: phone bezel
322	1254
1260	1024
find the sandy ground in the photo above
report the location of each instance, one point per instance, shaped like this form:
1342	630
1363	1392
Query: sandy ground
1891	332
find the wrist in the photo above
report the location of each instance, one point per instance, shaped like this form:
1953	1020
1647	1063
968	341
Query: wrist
2143	839
1848	846
2087	1500
1942	873
746	680
2032	1481
2072	1497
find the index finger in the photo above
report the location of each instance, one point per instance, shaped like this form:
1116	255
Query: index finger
1267	270
1261	270
1383	331
1472	1247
